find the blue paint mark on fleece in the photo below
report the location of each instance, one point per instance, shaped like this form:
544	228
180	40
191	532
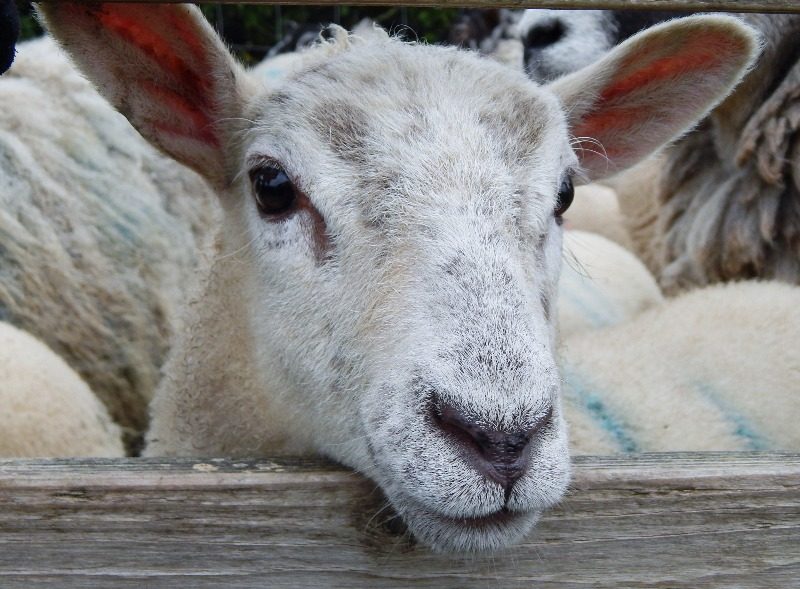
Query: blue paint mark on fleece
587	396
742	427
578	289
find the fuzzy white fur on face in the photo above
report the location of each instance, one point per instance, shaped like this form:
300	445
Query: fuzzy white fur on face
432	223
421	261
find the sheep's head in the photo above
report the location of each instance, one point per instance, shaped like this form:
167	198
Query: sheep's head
398	207
558	42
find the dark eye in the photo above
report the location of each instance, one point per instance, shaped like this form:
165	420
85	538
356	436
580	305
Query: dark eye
565	195
273	190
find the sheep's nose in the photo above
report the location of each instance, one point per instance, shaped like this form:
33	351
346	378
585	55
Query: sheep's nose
544	34
500	456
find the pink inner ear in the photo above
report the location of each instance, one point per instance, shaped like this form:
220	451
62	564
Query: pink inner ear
611	112
705	53
190	39
146	40
196	123
189	101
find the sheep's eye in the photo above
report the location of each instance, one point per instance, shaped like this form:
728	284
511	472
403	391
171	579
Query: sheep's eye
273	191
565	195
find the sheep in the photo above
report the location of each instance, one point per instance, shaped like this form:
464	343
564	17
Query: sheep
601	284
105	357
727	197
596	209
380	290
724	202
558	42
46	409
99	232
700	372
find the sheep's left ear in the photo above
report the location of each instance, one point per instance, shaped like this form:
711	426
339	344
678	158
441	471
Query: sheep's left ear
653	88
165	69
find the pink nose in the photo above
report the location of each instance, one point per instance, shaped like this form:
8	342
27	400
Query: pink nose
500	456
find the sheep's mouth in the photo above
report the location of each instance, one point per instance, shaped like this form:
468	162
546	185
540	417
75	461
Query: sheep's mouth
499	518
494	531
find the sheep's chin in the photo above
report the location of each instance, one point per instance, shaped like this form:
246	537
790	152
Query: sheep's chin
466	535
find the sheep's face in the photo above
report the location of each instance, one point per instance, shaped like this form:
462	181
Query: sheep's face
558	42
395	206
420	256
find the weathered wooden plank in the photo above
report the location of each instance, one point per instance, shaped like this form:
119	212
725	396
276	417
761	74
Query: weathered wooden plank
684	520
789	6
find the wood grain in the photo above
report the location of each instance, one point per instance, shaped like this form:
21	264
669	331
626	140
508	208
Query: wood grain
677	520
789	6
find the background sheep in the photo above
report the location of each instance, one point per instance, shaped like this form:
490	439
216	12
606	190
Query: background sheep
713	369
557	42
724	202
384	275
46	410
98	231
601	284
596	209
727	197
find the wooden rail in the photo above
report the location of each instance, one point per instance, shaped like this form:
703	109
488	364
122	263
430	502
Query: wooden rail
678	521
787	6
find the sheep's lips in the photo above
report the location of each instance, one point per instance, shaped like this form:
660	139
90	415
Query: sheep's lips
494	531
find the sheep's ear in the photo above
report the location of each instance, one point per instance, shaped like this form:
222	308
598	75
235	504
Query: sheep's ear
653	88
164	68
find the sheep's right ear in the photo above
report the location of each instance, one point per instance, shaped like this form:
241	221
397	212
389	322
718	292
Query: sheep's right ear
164	68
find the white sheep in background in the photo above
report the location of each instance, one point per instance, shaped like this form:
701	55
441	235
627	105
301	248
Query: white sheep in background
46	409
717	368
596	209
382	283
724	202
98	231
601	284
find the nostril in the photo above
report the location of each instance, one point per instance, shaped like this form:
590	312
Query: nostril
545	34
453	421
501	456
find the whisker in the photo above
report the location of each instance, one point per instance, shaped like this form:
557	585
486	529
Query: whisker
237	251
